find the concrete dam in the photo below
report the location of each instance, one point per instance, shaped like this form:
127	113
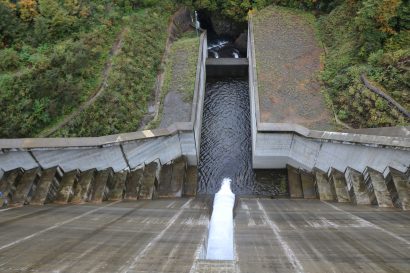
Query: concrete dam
304	200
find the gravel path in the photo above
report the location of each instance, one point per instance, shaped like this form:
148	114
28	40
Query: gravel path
288	62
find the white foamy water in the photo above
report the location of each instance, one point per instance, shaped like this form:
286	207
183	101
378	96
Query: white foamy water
220	236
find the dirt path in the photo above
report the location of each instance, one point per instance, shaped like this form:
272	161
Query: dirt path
288	62
115	49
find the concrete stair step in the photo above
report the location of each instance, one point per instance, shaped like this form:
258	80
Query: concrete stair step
100	189
399	188
214	266
133	184
308	184
338	181
295	183
117	186
67	185
325	190
356	187
84	187
47	186
26	186
8	185
377	189
149	182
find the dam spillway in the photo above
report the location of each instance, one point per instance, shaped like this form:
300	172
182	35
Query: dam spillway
225	140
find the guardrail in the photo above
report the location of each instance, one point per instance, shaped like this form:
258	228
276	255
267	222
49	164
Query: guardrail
276	144
120	151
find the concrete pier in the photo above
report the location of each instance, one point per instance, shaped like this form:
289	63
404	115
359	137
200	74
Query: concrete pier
117	190
295	183
133	184
325	190
47	186
100	189
399	188
308	185
67	186
357	189
84	187
377	189
338	181
24	187
149	181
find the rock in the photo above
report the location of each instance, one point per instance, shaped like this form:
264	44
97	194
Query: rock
241	43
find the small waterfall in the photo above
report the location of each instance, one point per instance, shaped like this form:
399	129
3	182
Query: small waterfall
235	53
220	237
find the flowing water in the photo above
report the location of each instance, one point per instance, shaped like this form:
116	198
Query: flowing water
226	144
226	141
222	47
226	134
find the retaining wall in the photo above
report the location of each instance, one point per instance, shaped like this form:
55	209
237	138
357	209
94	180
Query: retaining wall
276	144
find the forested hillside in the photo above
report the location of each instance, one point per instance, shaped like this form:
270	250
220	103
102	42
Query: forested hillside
54	56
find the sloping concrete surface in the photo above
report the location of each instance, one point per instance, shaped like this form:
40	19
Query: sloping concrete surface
314	236
167	235
142	236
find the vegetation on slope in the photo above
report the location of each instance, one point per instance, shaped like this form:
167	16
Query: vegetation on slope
372	38
364	37
180	71
52	57
130	83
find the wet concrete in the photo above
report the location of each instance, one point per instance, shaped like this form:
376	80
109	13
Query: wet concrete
281	235
314	236
142	236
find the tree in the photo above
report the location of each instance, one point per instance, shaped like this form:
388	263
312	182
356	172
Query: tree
28	10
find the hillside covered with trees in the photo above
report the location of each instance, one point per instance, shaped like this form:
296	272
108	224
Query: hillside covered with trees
54	56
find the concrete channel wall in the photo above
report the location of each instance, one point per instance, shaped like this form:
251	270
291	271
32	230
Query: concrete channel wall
276	144
120	152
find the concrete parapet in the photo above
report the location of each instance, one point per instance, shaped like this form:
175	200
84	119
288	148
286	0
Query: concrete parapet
117	187
295	183
338	181
325	190
67	186
399	188
84	187
356	187
149	182
377	189
100	189
308	185
26	186
47	186
133	184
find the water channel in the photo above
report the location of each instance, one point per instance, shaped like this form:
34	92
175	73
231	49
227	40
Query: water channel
226	143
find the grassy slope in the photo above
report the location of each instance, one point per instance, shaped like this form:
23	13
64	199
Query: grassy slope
131	81
180	70
43	80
